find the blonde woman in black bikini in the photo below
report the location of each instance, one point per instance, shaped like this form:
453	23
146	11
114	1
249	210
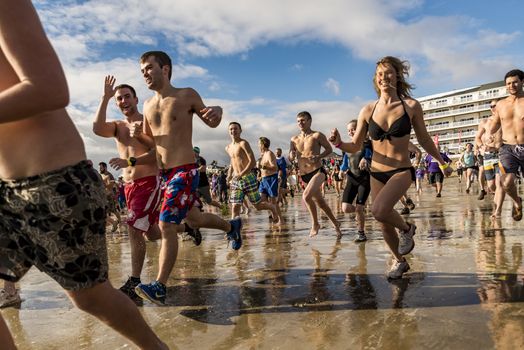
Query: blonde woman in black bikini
391	170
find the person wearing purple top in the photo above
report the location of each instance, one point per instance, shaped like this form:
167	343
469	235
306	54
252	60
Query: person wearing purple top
436	176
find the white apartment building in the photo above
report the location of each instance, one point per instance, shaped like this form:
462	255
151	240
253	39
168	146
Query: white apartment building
453	117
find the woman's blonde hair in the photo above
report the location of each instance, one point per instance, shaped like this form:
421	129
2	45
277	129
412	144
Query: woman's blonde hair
402	69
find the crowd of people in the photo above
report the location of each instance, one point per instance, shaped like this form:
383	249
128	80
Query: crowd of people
57	203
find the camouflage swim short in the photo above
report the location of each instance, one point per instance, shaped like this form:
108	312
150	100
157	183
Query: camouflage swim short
56	222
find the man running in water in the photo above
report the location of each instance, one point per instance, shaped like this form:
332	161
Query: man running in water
491	144
139	172
168	126
243	180
305	148
509	116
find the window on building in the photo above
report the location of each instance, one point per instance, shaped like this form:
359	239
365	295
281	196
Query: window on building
464	98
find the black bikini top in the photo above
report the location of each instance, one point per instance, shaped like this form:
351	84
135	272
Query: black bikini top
400	127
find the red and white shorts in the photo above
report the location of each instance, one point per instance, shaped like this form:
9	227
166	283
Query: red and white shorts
143	198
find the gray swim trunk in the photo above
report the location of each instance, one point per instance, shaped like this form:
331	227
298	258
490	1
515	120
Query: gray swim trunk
56	222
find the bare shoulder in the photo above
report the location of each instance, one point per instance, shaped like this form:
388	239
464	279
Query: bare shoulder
366	111
413	104
319	135
244	143
187	92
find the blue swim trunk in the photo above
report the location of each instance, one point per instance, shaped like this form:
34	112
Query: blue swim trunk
180	192
269	185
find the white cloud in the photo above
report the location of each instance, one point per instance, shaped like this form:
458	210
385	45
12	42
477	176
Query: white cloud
441	49
297	67
369	29
333	86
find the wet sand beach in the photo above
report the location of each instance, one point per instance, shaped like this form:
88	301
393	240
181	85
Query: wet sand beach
284	290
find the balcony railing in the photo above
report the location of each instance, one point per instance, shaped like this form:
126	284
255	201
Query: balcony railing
456	112
459	99
451	125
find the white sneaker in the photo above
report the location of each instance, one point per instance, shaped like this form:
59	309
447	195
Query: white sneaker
8	299
397	269
405	240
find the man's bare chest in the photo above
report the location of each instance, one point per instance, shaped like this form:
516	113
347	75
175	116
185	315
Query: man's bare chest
168	113
306	143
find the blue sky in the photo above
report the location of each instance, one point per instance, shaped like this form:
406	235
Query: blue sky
265	61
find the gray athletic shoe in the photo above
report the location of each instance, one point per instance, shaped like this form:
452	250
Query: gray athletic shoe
397	269
405	240
7	300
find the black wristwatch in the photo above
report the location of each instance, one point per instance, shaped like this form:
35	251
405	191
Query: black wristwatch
132	161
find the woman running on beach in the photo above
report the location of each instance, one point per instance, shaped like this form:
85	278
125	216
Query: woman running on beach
388	122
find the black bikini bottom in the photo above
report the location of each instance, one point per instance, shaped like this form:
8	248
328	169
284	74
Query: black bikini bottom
307	177
384	176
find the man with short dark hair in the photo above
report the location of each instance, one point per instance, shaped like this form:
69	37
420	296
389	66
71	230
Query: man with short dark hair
139	173
305	148
509	116
168	125
241	176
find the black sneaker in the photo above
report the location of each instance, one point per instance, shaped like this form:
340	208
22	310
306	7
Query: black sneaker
360	237
195	235
129	289
410	204
404	211
482	194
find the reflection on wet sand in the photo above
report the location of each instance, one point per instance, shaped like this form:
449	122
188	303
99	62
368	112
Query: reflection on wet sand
283	290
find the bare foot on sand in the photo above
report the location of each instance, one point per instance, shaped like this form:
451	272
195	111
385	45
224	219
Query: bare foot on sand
314	230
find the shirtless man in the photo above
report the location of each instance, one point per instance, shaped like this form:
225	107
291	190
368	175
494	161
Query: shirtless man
305	148
509	115
243	181
48	184
139	173
168	126
269	182
491	144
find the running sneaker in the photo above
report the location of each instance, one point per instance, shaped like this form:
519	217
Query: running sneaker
397	269
194	234
129	288
405	240
234	235
410	204
404	211
155	292
361	237
7	300
482	194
